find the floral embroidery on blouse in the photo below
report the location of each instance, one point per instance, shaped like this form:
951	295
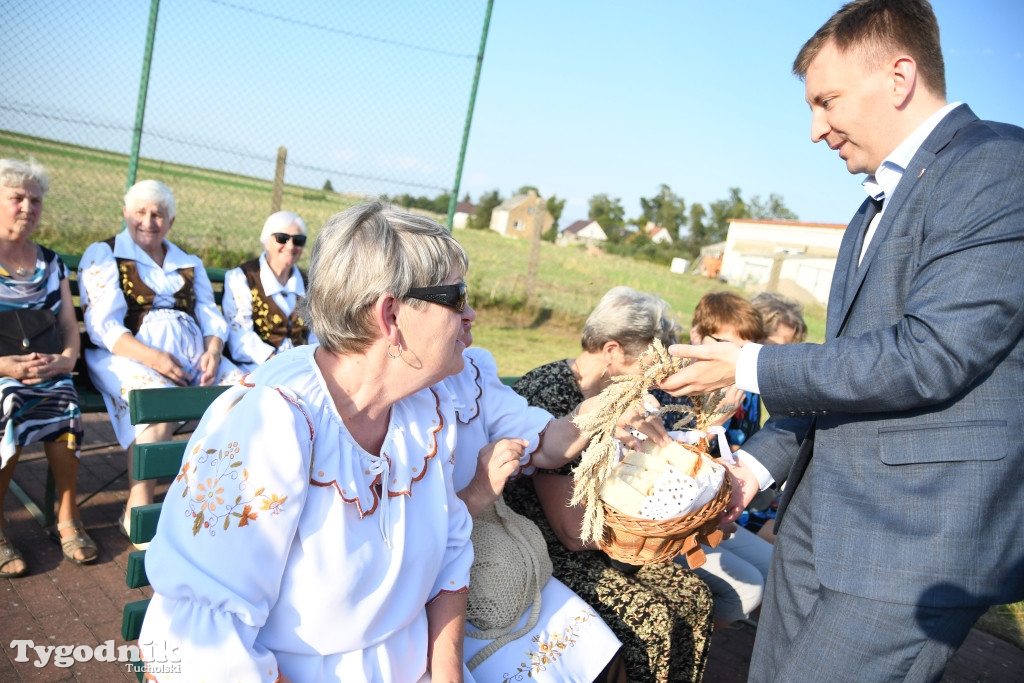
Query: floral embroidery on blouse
261	315
550	650
223	491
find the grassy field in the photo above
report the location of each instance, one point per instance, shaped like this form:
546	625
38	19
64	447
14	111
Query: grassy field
220	217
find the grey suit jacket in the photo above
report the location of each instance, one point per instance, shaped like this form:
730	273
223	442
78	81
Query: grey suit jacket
917	394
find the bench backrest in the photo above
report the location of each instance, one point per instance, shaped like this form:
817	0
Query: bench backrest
156	461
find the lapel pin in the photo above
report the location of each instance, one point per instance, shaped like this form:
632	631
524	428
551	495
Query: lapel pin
921	173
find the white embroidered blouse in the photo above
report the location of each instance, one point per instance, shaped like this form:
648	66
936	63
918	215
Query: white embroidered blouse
103	301
276	549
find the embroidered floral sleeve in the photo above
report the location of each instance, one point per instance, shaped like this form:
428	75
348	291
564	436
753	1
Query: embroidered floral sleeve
226	528
102	300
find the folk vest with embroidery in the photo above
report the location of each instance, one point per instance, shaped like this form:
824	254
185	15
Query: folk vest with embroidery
268	320
139	296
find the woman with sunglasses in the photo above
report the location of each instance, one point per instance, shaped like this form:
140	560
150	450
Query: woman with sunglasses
151	317
261	296
314	532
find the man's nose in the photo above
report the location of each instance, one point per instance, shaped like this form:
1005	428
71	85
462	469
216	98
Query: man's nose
819	126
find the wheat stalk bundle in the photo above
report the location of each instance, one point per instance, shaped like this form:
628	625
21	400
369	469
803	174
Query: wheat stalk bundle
626	391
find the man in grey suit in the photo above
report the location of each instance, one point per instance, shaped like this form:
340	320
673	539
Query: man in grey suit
901	438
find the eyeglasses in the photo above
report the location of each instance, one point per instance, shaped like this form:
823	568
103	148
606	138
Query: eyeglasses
283	237
452	296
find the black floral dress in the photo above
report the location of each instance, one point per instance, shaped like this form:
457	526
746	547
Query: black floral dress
661	613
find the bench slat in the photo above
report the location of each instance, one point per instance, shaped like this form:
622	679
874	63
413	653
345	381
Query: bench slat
143	524
135	575
156	460
131	619
171	404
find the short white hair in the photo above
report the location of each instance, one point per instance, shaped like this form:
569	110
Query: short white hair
15	173
152	191
277	222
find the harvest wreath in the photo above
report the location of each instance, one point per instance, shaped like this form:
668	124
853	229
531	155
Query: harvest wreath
651	505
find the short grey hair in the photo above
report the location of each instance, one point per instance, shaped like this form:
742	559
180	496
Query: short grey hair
364	252
277	222
152	191
15	173
776	309
631	318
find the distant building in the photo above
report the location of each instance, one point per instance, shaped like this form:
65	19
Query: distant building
586	232
710	262
657	234
463	210
520	215
794	259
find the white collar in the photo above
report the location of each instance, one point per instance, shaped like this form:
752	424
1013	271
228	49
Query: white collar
272	286
174	258
884	181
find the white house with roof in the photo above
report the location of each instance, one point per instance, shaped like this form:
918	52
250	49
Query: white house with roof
793	258
657	233
463	210
586	232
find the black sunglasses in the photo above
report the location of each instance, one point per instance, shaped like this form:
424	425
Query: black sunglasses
283	237
452	296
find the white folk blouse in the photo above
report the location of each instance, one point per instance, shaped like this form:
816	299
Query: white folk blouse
247	349
276	552
570	642
175	332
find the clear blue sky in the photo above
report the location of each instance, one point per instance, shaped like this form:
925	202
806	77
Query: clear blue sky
579	97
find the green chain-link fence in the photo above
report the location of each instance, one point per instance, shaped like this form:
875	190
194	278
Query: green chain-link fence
367	97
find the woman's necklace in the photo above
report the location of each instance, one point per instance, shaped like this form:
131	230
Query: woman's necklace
18	270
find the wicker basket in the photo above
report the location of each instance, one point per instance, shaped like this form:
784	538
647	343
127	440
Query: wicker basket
638	541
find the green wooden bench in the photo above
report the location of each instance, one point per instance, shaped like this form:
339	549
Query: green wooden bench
156	461
89	398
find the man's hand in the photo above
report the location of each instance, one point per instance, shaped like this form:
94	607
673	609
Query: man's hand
717	369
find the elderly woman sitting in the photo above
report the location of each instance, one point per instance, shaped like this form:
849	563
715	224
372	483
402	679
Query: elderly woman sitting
39	402
261	296
150	312
660	612
314	532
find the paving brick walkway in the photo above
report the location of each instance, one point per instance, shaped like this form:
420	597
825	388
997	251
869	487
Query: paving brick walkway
63	604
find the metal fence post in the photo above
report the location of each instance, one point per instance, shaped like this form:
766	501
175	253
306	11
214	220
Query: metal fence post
453	200
140	107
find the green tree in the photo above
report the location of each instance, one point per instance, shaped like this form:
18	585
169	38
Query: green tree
609	214
666	209
773	209
698	232
327	186
525	189
440	203
481	220
555	207
721	212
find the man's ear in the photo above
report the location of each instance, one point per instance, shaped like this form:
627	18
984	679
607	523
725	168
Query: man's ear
903	76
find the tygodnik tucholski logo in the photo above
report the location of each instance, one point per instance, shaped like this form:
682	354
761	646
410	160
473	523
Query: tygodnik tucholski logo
156	657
